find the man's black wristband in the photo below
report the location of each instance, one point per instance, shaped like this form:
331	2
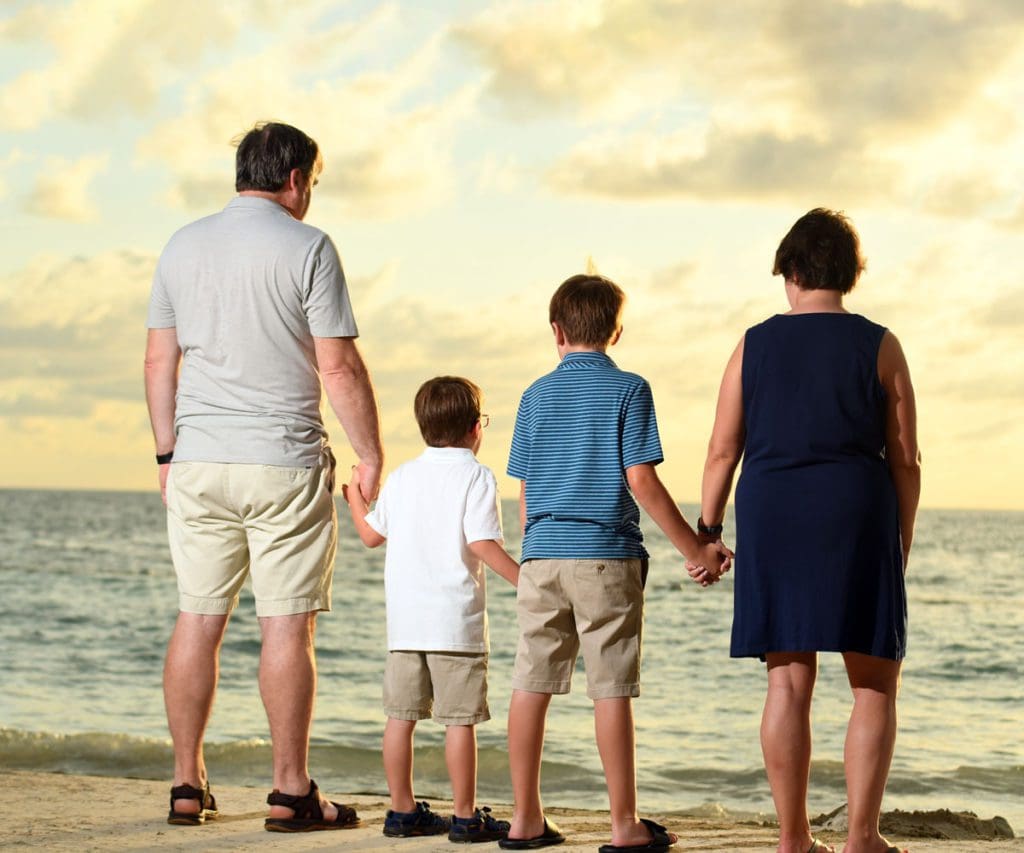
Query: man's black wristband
164	458
709	530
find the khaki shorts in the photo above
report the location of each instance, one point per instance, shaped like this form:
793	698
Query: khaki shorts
229	520
565	606
450	686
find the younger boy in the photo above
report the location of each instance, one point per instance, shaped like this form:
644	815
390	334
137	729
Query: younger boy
585	438
440	516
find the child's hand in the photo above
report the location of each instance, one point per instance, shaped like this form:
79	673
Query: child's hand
713	560
348	492
699	574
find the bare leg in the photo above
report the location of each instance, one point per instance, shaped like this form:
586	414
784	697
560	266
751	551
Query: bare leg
397	754
288	688
190	682
786	743
460	755
616	742
870	738
527	713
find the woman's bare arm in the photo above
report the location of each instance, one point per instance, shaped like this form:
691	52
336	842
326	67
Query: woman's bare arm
726	445
901	448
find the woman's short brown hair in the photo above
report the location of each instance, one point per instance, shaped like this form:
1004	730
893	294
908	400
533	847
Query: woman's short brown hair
447	407
820	252
588	309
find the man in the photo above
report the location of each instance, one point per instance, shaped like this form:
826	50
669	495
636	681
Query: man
252	305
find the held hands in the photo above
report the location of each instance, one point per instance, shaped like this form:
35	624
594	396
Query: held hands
351	492
364	484
712	561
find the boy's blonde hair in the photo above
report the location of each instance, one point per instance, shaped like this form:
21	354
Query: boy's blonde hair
588	309
447	407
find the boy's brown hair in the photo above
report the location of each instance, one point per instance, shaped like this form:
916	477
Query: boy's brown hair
447	407
588	309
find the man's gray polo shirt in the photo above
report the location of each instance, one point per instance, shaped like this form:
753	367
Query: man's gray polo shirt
247	289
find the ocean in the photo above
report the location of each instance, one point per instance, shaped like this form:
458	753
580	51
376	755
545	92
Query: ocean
88	601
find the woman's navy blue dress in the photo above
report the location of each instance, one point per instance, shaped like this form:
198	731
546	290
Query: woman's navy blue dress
819	565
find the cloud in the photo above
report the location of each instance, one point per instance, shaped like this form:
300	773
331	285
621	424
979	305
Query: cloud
62	189
7	163
111	57
500	174
896	66
963	195
892	62
771	100
1014	220
542	63
1006	310
79	339
386	141
751	165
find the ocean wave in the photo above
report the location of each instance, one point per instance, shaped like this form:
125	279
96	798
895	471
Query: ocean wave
248	762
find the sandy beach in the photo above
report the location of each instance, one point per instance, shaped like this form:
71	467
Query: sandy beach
93	813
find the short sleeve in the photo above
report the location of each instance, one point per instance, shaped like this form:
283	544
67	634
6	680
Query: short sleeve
483	512
522	440
161	312
326	302
377	517
641	443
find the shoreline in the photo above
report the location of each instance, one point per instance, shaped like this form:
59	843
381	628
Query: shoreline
111	813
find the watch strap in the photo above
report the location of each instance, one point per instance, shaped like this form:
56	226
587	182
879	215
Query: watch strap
709	529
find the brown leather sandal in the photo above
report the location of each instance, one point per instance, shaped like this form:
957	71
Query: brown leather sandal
309	816
207	805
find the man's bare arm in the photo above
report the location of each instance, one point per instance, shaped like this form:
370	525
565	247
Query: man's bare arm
350	393
163	356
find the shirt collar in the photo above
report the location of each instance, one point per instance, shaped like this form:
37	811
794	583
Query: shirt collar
588	358
448	454
255	202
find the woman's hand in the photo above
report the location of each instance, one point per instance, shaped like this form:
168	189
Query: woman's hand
713	560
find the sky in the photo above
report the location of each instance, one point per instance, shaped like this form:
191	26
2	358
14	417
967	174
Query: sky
477	154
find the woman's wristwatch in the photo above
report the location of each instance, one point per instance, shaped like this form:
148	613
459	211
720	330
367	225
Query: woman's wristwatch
709	529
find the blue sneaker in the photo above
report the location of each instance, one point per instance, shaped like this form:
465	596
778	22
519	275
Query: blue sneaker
420	822
480	827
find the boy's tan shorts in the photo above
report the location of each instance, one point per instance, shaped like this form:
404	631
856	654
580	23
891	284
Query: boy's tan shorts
565	606
450	686
229	520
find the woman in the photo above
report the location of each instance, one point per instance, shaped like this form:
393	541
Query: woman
819	403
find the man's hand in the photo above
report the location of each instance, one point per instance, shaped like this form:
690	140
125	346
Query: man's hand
366	477
358	505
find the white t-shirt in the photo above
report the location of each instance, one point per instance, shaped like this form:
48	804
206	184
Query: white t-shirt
429	510
246	290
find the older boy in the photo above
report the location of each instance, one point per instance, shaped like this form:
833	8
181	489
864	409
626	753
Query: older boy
585	437
439	514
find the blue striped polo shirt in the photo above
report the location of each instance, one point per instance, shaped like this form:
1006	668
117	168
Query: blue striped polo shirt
577	431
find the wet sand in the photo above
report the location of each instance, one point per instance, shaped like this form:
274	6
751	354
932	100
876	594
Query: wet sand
58	812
